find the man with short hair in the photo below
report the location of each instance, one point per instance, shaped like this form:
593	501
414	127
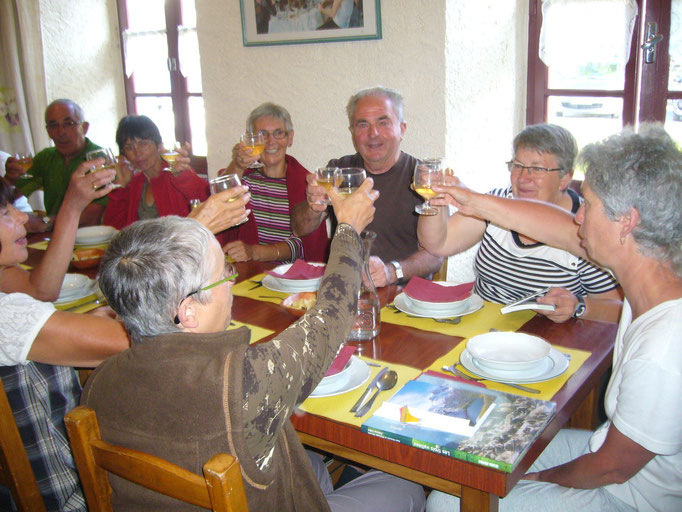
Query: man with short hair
377	128
52	167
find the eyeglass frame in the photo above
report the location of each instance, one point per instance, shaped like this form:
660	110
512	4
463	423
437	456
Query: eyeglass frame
229	268
281	135
533	170
67	125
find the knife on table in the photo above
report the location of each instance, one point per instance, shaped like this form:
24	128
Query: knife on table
369	389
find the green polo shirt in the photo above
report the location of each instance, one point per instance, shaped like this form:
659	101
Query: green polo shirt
51	173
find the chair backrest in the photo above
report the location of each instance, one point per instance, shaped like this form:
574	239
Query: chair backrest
15	470
221	489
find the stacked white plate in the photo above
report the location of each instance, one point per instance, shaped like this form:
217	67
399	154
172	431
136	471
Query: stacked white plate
75	287
282	284
354	375
94	235
438	310
512	357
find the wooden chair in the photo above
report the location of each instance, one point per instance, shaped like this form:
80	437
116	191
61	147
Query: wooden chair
221	489
15	470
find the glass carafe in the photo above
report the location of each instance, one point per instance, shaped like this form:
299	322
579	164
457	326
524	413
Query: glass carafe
368	315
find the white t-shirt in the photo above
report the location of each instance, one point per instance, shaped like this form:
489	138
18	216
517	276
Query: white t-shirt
644	402
21	319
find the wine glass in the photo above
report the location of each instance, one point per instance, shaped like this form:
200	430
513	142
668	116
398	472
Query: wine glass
170	154
325	178
25	161
109	162
256	142
348	179
225	182
427	173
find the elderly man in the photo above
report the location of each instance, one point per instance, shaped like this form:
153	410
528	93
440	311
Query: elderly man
377	128
52	167
187	389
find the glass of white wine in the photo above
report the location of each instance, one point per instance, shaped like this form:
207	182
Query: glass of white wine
107	155
427	173
348	179
325	178
256	142
25	161
170	154
225	182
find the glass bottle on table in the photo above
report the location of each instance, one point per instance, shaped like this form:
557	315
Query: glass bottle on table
367	322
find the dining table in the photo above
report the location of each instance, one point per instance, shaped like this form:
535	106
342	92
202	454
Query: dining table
479	487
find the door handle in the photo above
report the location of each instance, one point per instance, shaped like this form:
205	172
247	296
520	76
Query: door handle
652	40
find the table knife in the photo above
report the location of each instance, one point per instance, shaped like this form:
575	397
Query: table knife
369	389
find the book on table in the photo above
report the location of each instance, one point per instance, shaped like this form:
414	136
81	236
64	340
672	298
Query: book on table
462	420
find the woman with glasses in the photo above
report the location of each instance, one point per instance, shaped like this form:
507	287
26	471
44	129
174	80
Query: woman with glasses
509	265
275	188
158	190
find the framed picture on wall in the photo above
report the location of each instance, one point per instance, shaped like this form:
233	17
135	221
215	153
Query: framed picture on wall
268	22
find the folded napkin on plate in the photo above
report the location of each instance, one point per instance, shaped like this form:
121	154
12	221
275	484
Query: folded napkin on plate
339	362
428	291
300	270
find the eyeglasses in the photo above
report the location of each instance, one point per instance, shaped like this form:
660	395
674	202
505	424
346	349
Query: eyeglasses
229	274
138	144
533	170
67	125
277	134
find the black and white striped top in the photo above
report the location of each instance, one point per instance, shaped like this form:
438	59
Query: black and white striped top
507	269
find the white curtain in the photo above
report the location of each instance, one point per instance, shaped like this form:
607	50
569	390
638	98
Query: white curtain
23	95
578	31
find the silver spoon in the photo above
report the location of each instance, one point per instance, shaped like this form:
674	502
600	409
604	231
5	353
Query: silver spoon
453	369
387	381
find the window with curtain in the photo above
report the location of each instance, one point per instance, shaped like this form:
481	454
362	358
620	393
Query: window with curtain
163	71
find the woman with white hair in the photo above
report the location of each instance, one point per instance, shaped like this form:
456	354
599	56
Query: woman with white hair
275	188
631	223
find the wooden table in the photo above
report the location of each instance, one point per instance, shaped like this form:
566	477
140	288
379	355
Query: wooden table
478	486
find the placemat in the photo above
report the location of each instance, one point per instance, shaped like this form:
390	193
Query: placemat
547	388
41	246
82	305
257	333
253	289
337	407
486	318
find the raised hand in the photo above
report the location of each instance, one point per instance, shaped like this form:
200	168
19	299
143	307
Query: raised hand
356	209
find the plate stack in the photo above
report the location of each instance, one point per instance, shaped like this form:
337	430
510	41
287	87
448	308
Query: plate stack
94	237
437	299
75	287
512	357
286	279
351	377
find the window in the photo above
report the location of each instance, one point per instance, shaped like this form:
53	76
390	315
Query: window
162	69
593	78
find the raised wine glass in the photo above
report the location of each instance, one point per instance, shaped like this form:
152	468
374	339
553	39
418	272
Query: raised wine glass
109	161
348	179
170	154
225	182
427	173
25	161
256	142
325	178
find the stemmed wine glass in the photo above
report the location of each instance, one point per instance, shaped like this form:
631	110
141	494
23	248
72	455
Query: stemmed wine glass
109	161
348	179
170	154
256	142
325	178
427	173
25	161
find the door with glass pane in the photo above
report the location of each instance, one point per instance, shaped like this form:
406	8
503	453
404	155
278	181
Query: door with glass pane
589	72
162	68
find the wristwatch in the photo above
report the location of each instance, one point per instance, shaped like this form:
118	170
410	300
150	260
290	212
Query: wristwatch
580	308
398	270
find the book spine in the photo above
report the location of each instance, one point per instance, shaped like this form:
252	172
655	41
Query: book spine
441	450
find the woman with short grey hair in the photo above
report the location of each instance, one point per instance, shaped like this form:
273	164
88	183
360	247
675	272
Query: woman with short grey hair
275	188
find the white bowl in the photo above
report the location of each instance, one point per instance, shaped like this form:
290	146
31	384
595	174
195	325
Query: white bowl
94	234
452	307
508	351
72	285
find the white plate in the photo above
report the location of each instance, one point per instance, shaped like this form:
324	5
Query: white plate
508	351
94	234
358	373
72	285
556	365
279	284
473	303
439	306
81	293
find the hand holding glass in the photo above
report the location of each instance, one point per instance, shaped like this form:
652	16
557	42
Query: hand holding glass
426	174
107	155
25	161
255	141
225	182
348	179
170	154
325	178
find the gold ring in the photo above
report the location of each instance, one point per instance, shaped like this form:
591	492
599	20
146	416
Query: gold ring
94	187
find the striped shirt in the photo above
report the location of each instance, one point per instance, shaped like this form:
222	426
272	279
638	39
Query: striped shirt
270	206
507	269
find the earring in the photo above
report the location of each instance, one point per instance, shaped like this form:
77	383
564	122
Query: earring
622	240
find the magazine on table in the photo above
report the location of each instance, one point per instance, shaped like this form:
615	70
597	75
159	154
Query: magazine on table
462	420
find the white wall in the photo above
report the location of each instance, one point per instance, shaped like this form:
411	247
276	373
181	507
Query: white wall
83	61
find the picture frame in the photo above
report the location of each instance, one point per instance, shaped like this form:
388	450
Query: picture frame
275	22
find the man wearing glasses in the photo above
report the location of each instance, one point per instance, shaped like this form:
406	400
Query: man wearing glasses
509	265
52	167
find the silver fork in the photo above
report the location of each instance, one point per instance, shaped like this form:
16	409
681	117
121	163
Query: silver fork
453	369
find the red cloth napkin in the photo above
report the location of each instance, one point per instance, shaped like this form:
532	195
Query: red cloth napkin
339	362
428	291
300	270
